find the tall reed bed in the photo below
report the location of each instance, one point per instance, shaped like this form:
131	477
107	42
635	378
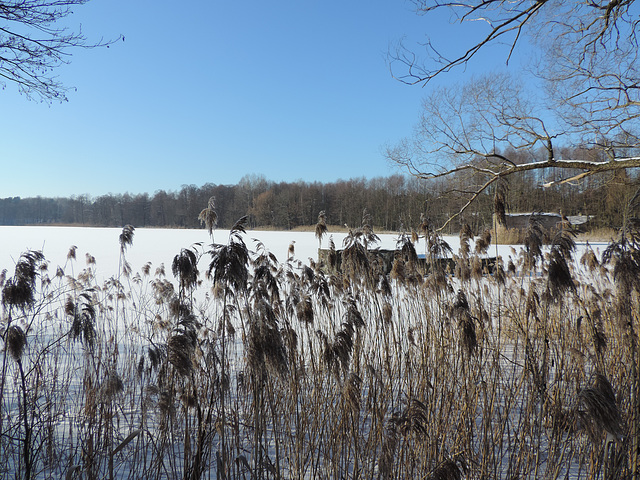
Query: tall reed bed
233	364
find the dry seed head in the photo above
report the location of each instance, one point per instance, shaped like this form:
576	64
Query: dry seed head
18	293
533	239
533	301
465	236
355	261
352	390
468	337
229	265
451	469
476	268
126	269
414	418
398	270
84	316
304	310
500	202
589	259
185	268
160	271
461	302
321	226
598	337
600	410
266	346
146	269
20	289
483	242
511	268
389	446
408	251
462	270
15	341
112	385
559	278
209	216
126	237
181	348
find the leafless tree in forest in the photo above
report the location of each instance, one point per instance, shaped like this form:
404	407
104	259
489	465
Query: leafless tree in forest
586	68
34	42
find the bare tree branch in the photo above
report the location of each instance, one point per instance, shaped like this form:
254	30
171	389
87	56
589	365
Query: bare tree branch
489	129
33	45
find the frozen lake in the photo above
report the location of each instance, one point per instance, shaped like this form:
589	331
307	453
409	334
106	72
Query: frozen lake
159	246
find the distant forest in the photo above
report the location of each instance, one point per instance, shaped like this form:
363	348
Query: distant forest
393	203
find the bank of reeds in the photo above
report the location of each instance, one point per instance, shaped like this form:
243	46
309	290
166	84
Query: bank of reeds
243	366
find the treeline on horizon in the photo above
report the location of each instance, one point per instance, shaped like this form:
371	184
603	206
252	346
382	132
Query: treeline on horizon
392	203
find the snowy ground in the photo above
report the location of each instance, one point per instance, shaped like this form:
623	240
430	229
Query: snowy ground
159	246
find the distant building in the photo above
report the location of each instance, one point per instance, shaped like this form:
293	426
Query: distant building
548	221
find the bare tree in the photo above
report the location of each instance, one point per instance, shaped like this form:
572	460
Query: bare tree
34	42
586	62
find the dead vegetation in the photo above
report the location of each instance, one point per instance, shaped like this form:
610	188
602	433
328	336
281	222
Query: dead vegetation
267	369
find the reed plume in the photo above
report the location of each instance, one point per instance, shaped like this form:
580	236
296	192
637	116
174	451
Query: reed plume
599	409
559	277
466	235
413	419
450	469
126	237
366	230
304	309
407	251
338	353
466	323
500	201
229	264
185	269
355	260
388	451
19	290
483	242
438	246
112	385
182	344
352	391
83	315
589	259
15	341
626	265
533	239
266	349
209	216
321	227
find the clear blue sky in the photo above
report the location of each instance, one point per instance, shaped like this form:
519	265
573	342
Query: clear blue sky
209	91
